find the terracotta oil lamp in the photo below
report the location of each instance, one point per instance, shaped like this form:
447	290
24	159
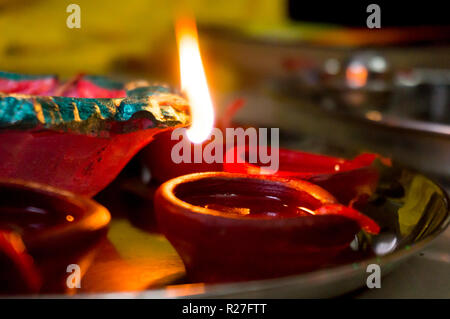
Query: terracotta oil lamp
349	181
163	168
78	135
231	227
42	230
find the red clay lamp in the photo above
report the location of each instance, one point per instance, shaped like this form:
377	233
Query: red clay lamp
231	227
72	142
347	180
42	229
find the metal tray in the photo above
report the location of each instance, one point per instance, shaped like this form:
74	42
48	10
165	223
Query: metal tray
135	261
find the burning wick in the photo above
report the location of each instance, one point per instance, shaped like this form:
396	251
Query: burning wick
193	81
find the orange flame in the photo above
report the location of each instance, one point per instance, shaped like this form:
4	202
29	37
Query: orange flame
193	80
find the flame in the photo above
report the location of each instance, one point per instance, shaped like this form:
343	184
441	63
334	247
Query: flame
193	80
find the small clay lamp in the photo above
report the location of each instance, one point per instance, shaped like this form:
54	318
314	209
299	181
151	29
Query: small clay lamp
41	230
163	168
231	227
348	180
157	157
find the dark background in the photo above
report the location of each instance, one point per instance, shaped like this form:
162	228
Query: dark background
353	13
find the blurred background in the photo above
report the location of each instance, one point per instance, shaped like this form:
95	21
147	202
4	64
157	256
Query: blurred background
132	36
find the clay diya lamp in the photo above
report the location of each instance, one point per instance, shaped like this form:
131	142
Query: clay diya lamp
75	143
42	231
350	181
163	168
233	227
